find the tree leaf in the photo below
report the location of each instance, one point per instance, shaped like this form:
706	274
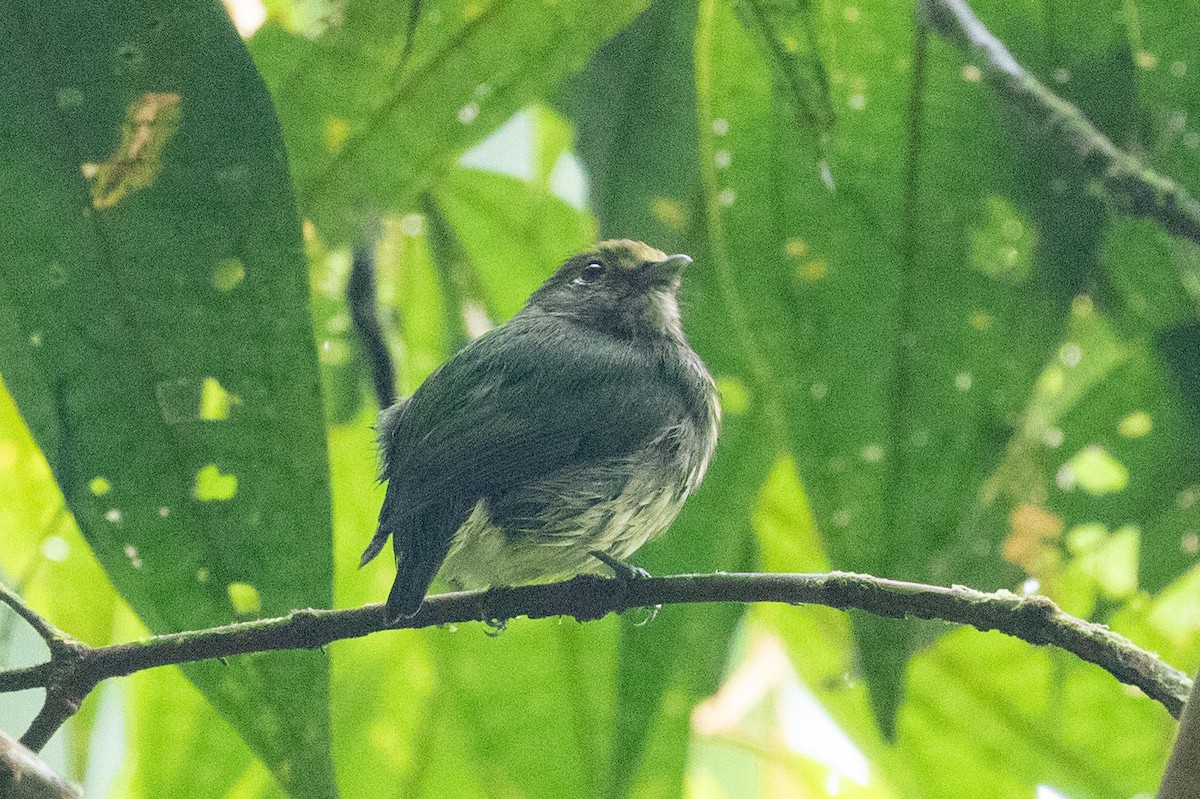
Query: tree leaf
371	125
41	550
169	727
157	339
515	235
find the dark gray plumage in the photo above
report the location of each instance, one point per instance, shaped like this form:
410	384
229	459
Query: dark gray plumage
580	425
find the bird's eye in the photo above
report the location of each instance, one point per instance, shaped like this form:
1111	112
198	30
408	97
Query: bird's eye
590	274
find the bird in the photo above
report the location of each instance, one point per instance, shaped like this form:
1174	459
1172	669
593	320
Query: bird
557	443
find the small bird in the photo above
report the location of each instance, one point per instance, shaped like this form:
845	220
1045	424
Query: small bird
557	442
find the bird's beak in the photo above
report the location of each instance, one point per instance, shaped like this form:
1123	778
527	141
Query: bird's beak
667	271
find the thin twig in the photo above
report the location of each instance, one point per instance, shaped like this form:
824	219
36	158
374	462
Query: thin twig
1127	179
49	633
61	703
75	670
64	691
363	303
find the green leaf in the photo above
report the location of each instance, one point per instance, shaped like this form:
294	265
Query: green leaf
383	685
169	727
786	33
514	234
975	699
1156	275
927	287
1159	40
634	116
668	666
1103	439
1168	623
121	315
784	250
368	127
1014	716
342	374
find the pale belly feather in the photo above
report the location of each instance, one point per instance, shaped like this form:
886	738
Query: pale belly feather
484	554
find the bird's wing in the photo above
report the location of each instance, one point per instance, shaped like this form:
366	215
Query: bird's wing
522	402
389	420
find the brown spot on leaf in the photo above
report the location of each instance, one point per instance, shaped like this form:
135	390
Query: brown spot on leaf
150	122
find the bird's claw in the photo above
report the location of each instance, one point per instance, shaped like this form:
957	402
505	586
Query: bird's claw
625	572
621	569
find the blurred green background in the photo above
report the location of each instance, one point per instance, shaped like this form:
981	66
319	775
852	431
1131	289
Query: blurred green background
944	355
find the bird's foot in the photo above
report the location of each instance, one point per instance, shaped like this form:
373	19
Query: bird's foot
625	572
621	569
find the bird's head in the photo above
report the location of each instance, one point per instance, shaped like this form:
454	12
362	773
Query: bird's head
623	287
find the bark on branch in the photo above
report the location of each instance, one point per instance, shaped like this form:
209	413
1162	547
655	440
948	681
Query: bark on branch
1181	780
1128	180
74	669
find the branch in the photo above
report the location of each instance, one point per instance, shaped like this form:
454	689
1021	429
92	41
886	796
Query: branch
64	691
73	671
24	775
1181	780
363	303
49	633
1123	176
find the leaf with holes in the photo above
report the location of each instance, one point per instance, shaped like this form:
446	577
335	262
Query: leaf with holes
154	332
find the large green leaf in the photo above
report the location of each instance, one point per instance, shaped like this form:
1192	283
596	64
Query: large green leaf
1105	383
1103	440
999	712
1047	720
513	236
887	301
371	121
791	262
156	337
41	545
927	288
170	726
1159	37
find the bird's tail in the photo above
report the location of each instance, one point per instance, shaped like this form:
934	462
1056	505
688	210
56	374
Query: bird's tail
422	542
413	577
373	548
